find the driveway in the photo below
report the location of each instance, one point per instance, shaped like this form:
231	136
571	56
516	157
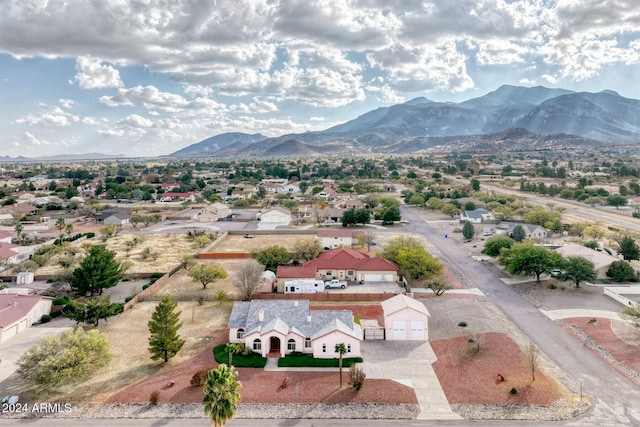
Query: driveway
12	350
409	363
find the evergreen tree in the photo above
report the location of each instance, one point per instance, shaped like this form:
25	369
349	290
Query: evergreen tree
629	249
467	230
99	270
164	342
518	234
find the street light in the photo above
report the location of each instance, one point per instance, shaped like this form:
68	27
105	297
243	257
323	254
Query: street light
581	380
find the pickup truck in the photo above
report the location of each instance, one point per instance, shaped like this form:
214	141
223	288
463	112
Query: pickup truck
335	283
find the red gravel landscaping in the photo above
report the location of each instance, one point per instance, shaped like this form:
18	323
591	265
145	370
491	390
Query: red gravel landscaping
472	379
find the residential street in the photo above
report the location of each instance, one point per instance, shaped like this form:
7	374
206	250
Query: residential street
615	398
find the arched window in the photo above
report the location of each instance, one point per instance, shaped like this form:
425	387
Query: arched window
240	334
291	345
257	345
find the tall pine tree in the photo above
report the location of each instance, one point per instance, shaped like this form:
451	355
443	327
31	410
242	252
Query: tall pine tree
164	341
98	270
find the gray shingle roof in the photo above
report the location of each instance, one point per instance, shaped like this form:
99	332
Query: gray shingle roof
290	315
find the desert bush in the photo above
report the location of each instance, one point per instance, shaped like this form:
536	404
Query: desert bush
45	318
356	377
198	379
513	390
153	398
462	324
61	301
221	296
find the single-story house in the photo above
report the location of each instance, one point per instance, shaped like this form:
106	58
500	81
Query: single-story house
284	326
331	239
329	194
214	212
277	215
112	217
600	259
405	319
476	216
532	231
179	197
5	236
8	253
343	264
18	312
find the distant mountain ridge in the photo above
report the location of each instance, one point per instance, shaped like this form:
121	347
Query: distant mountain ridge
542	116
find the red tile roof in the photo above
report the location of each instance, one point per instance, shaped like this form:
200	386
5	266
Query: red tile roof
349	259
286	272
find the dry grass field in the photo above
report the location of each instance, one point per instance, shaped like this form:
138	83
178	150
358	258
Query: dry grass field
146	253
238	243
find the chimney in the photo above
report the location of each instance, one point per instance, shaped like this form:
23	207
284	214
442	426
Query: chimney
261	315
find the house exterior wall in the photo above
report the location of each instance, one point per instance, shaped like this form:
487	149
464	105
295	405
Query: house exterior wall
41	308
114	220
275	216
335	242
330	340
407	315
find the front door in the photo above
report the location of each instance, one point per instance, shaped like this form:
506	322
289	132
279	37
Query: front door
274	344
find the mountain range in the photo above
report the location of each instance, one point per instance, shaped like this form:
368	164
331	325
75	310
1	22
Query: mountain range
511	117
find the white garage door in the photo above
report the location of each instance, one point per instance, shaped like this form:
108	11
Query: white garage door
399	331
417	330
371	277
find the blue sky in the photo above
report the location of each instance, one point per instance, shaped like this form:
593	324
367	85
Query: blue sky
148	77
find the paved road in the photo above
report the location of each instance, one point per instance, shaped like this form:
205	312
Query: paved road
616	398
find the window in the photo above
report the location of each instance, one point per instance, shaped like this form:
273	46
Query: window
350	273
257	345
240	334
324	348
348	348
291	345
307	343
329	273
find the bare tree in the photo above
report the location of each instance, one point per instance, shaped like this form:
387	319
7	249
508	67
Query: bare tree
531	351
368	238
247	277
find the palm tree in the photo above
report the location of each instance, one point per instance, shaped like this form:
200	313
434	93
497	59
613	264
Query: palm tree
19	227
69	229
340	349
221	395
60	224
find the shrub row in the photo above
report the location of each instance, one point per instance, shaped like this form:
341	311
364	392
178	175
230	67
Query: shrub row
299	360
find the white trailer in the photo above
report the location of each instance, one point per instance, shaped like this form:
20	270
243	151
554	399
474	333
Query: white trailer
306	286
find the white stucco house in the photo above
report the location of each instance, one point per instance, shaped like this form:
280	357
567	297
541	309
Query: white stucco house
531	231
284	326
405	319
18	312
331	239
476	216
277	215
214	212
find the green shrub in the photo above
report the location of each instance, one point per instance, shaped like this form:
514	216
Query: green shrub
146	286
90	235
61	301
297	360
251	360
462	324
55	314
513	391
45	318
117	307
127	299
156	275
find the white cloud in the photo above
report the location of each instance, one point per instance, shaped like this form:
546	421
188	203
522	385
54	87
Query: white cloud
527	82
67	103
33	140
135	120
92	74
152	98
54	116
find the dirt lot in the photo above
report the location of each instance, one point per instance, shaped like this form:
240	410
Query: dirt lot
163	252
238	243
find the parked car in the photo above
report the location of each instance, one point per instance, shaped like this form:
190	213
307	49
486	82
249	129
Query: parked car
249	236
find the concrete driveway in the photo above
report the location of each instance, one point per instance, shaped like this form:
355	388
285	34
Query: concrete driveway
409	363
12	349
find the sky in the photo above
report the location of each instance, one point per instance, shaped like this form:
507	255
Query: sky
149	77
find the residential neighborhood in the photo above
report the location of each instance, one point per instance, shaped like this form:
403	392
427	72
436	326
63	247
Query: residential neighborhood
287	277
